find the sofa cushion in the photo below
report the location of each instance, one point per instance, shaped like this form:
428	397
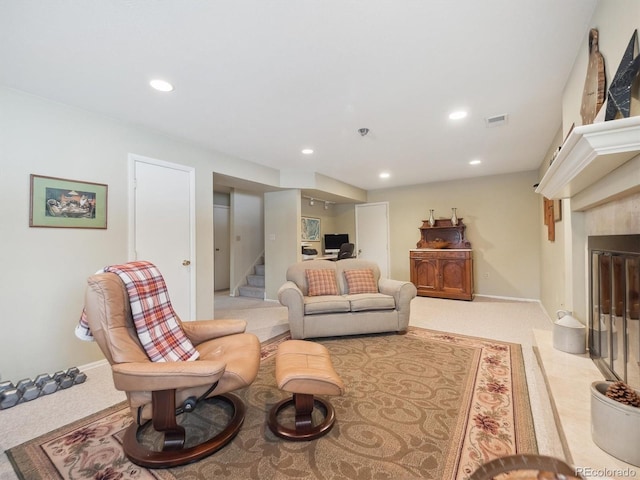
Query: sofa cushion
371	301
361	281
321	282
326	304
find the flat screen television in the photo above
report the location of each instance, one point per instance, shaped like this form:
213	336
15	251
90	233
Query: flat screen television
333	241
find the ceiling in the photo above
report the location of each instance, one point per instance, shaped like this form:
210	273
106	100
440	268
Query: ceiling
261	80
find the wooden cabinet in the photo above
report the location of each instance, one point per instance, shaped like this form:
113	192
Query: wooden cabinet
442	273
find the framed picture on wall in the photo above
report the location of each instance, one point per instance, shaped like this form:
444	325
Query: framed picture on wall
310	229
63	203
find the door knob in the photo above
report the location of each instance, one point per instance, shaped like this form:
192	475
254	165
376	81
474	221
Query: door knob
186	263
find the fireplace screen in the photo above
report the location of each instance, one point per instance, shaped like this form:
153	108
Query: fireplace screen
614	336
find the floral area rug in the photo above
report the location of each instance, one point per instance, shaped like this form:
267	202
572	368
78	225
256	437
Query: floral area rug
425	405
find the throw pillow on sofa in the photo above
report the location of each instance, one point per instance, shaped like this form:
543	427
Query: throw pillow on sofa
321	282
361	281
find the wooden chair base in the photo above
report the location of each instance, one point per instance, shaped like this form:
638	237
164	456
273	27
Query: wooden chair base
173	452
304	428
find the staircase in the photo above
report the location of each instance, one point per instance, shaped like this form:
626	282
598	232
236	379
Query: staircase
255	284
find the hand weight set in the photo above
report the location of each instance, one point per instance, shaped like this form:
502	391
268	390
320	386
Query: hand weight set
44	384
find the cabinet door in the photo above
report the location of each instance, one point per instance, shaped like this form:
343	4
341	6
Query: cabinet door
454	276
425	273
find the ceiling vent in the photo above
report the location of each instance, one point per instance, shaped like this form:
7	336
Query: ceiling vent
496	120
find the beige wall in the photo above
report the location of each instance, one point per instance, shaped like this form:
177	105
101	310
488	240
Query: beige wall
502	215
564	277
45	269
246	235
552	253
615	22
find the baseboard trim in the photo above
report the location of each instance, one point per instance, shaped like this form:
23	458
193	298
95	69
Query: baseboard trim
515	299
92	365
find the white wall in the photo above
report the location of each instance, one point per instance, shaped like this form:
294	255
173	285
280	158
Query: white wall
502	219
44	270
247	234
282	237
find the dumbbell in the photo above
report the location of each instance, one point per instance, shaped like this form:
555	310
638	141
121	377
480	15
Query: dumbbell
28	390
77	375
9	395
71	377
62	379
46	384
6	386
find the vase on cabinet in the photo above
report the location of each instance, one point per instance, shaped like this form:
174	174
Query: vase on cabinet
454	217
432	220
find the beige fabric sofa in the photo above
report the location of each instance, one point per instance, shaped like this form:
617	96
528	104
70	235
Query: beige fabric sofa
345	313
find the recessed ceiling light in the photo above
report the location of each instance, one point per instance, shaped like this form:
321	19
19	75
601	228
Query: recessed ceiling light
475	162
384	175
161	85
307	151
457	115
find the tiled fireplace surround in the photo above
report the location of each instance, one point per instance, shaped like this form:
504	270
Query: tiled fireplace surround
598	170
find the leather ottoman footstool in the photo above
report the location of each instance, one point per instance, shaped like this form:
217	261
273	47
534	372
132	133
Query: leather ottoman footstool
304	369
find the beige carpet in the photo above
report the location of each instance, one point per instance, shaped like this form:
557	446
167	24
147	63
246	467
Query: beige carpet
425	405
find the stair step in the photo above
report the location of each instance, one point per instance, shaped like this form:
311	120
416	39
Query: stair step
256	280
249	291
260	270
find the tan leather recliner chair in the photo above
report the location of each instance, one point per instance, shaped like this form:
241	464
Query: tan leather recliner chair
158	391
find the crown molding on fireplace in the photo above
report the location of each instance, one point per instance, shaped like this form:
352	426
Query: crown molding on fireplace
589	153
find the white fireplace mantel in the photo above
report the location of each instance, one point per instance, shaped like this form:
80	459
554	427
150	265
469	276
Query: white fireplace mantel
589	153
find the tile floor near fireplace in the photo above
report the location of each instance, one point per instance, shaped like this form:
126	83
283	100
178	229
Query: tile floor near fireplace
569	379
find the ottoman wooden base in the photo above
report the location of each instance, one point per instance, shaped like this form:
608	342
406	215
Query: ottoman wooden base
304	428
304	369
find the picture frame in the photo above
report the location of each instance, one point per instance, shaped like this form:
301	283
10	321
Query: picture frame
65	203
310	229
549	219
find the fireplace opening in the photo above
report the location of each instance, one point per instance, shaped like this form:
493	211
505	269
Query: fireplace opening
614	314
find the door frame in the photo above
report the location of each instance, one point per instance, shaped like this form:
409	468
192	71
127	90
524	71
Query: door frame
134	158
228	235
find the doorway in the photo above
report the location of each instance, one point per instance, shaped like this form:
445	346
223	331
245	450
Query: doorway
221	244
162	225
372	234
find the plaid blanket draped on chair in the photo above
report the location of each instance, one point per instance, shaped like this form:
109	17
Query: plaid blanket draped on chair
157	324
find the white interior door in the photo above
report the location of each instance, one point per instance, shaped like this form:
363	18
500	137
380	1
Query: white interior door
221	254
372	234
164	226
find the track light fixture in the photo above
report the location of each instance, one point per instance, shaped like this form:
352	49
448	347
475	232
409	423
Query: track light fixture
313	200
